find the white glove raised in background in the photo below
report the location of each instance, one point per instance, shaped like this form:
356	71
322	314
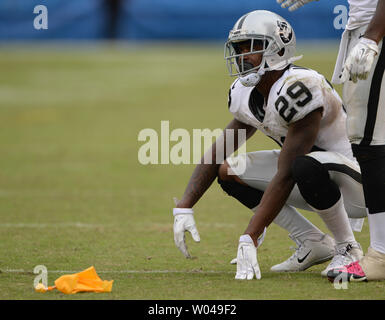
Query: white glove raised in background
293	4
359	61
247	263
184	221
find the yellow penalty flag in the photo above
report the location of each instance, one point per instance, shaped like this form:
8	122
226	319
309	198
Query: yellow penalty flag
84	281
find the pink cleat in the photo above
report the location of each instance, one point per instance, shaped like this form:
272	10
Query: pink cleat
351	272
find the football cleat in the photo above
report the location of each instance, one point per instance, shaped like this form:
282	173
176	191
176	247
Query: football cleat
370	267
345	254
351	272
307	254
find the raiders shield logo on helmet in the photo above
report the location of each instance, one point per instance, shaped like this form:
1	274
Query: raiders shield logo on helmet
285	32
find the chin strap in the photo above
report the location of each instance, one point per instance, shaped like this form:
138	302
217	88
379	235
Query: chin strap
252	79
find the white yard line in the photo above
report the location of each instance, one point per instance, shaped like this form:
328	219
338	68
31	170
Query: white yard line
123	271
51	225
95	225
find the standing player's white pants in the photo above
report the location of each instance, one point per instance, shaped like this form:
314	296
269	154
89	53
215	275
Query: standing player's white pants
364	100
260	167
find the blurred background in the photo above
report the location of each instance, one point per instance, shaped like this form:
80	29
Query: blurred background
154	19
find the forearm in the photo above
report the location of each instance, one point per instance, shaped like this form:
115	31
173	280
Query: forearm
273	200
376	28
201	179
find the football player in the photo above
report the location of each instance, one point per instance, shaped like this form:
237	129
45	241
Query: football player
360	67
315	169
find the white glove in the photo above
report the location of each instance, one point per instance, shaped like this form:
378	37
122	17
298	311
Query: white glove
184	221
260	240
294	4
247	263
359	62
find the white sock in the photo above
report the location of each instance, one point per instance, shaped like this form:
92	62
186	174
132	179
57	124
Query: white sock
336	220
297	225
377	231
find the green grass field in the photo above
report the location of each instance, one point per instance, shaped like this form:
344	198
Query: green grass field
73	193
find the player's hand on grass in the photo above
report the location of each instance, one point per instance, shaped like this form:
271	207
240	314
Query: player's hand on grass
293	4
184	222
359	62
247	263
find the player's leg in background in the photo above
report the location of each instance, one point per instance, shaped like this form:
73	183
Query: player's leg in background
248	188
323	194
365	103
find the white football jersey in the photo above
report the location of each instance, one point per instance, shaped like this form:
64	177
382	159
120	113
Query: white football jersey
360	13
297	93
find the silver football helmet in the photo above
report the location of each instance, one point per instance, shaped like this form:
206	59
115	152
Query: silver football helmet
268	34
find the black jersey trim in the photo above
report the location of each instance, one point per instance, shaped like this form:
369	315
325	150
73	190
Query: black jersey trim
256	103
374	96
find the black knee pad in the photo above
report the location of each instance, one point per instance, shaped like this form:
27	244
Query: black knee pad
246	195
314	183
372	163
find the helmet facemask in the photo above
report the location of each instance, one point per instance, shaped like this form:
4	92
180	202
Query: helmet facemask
235	58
